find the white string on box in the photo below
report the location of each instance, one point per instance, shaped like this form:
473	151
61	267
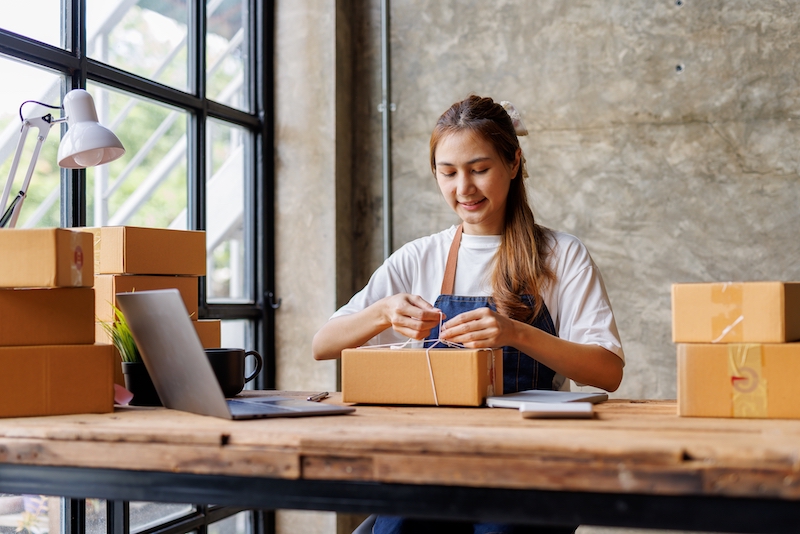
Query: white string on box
437	341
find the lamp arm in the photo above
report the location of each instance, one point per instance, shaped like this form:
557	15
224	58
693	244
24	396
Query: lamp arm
23	134
44	124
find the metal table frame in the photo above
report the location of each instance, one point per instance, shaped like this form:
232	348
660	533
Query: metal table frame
713	514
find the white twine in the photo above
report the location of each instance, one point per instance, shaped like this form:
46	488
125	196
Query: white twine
437	341
728	328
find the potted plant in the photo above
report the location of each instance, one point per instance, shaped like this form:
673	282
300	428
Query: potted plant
137	379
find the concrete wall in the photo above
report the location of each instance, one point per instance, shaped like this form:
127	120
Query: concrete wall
662	135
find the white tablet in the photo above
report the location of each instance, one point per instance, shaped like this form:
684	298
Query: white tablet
515	400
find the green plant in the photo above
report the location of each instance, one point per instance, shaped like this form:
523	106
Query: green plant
122	338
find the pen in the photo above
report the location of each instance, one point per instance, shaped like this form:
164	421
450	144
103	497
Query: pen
319	396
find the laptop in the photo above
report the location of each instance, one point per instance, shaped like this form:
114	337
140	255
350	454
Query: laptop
181	372
520	398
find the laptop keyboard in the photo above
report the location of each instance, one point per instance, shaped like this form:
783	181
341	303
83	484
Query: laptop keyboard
250	408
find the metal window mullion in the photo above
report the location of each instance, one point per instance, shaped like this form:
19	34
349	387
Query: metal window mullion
73	182
30	50
118	517
73	516
264	176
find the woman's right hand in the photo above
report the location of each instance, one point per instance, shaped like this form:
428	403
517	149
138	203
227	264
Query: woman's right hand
410	315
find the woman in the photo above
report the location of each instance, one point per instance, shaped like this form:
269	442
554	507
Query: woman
497	280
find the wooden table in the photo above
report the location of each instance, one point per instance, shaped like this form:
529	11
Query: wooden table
635	464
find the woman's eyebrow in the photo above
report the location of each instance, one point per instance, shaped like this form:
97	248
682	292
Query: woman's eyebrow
470	162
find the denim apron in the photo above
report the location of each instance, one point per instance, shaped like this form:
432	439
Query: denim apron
520	371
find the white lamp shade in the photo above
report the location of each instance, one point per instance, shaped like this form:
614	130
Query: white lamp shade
86	142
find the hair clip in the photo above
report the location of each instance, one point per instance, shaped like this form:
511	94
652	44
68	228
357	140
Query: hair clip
516	118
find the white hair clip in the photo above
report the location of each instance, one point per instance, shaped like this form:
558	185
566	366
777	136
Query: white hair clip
516	118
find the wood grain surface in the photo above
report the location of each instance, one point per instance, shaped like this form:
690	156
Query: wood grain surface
629	446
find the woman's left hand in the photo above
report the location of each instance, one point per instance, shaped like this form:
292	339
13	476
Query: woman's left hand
479	328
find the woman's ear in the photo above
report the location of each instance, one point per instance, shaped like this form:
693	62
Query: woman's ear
517	163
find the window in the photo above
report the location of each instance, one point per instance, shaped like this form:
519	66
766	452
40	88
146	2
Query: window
181	84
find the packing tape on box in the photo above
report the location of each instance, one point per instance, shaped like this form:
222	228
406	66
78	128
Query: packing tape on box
725	326
748	386
76	265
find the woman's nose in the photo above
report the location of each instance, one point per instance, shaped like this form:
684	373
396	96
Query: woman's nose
464	186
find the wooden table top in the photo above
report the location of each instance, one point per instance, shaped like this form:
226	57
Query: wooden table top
629	447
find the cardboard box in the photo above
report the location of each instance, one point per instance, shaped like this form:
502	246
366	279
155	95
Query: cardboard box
56	380
208	330
55	316
135	250
47	257
106	287
746	312
739	380
461	377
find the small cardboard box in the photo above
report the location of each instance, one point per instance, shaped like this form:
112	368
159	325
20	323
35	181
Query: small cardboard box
56	380
47	257
739	380
745	312
461	377
210	332
106	287
136	250
54	316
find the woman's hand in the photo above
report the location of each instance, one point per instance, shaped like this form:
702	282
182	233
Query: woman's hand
479	328
410	315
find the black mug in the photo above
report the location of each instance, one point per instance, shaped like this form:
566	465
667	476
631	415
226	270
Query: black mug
228	366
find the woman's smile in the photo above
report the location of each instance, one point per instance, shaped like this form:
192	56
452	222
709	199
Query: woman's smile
471	204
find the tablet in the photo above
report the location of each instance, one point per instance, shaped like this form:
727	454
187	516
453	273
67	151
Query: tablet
515	400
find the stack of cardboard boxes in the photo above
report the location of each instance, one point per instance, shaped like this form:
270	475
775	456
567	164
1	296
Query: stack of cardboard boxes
49	362
129	259
736	356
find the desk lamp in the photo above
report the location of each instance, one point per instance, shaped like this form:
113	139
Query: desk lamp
85	144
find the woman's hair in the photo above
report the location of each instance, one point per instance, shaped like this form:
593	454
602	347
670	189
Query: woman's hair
520	265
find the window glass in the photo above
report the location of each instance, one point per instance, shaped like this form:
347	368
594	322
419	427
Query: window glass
147	38
235	524
228	172
146	515
226	52
148	185
37	19
30	514
41	205
238	334
96	521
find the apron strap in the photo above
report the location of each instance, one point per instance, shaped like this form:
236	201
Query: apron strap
449	280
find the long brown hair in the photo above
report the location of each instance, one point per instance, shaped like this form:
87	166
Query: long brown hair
520	265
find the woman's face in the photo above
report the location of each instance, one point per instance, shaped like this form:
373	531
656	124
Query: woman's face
474	181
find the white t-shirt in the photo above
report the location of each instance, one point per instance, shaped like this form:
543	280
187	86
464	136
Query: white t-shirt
577	302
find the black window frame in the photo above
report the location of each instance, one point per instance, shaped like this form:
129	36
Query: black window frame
73	62
78	69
